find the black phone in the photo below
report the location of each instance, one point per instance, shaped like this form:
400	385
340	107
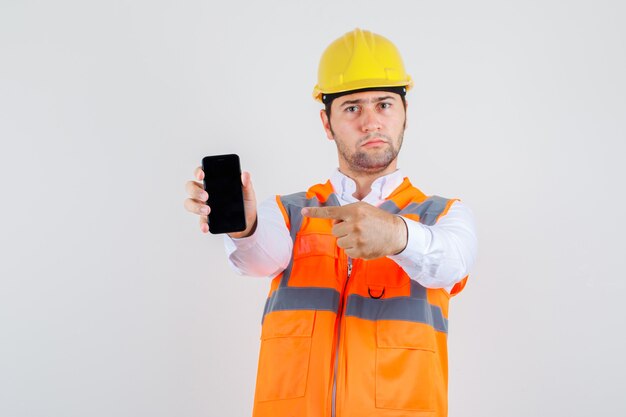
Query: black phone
222	181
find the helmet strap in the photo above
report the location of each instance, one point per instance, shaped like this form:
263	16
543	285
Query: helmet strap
328	98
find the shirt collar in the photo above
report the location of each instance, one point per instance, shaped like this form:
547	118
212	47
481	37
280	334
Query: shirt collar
382	187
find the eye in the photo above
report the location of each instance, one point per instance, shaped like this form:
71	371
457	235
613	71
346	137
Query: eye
385	105
352	109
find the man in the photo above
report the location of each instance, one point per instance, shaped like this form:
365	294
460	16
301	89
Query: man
363	265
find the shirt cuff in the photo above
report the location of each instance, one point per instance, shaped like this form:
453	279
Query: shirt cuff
242	243
417	242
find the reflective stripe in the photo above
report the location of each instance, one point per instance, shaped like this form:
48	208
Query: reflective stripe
428	210
302	298
293	204
332	200
418	290
389	206
397	308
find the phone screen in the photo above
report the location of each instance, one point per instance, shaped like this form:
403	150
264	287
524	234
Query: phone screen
222	181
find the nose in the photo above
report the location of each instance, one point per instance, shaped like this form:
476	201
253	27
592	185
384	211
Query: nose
371	121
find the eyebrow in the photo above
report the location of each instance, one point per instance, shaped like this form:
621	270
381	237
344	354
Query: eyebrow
360	100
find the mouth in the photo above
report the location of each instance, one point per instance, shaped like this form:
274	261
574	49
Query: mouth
374	142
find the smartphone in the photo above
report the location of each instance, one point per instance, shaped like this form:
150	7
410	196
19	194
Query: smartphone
222	181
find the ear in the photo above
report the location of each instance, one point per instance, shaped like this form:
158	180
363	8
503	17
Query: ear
406	106
326	124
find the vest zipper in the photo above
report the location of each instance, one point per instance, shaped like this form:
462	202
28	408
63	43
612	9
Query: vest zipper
339	319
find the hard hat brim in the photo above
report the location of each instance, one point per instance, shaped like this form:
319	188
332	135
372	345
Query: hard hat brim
360	85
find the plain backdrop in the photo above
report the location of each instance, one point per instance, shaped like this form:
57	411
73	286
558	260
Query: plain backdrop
113	303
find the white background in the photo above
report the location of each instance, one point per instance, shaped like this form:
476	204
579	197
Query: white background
112	303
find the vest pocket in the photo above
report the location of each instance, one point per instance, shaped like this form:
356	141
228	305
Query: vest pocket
405	367
284	357
314	260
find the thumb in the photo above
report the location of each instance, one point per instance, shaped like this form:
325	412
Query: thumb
248	190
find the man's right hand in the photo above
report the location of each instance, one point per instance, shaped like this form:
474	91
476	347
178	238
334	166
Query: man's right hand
198	198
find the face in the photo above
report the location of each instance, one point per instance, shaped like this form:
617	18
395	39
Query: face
367	128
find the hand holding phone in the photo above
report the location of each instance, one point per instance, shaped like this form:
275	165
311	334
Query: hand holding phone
222	181
197	202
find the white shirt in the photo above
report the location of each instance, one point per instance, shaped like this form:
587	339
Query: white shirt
436	256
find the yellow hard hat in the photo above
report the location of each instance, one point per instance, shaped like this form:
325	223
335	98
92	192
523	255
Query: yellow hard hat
357	60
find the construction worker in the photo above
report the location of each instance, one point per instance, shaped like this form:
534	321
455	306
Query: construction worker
363	265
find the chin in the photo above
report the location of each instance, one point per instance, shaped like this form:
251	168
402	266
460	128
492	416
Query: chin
372	168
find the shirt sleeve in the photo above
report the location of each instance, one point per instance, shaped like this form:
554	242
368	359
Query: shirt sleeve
440	255
268	250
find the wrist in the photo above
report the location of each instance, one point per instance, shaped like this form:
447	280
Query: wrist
246	233
402	233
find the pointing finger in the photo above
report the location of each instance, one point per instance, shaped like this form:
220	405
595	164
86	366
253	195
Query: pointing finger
335	213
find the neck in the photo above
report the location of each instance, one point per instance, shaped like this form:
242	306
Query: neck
364	180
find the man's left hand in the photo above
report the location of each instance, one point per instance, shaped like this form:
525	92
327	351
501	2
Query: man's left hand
362	230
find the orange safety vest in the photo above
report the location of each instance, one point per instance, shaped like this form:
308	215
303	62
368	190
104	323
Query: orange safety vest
346	337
